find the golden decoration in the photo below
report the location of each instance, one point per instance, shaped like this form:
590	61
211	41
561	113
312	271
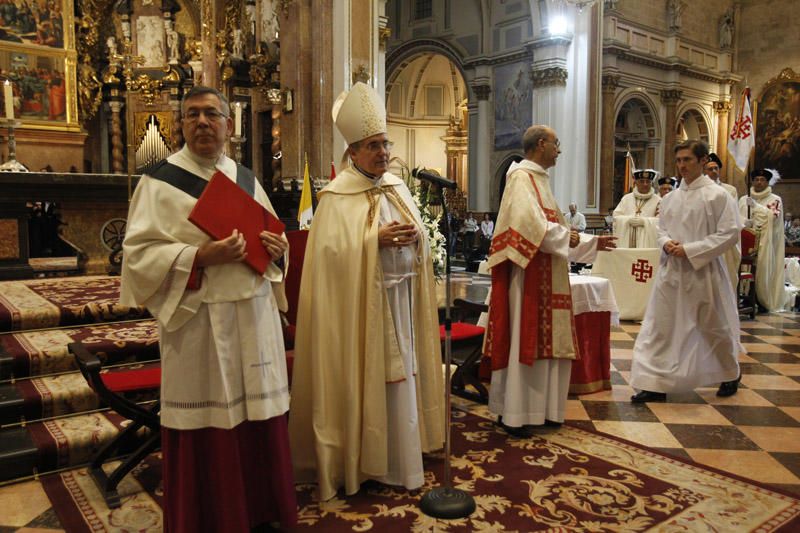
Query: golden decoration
172	75
142	118
90	88
150	88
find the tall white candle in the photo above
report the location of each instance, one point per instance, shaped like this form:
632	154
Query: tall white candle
237	112
8	96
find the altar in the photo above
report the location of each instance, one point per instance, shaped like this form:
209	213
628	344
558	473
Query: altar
595	308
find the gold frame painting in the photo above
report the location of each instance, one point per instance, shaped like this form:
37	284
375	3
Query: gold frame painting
38	57
778	125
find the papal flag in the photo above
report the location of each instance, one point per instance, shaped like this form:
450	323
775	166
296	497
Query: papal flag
742	139
630	168
306	211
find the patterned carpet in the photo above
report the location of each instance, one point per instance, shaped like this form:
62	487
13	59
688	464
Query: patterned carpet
566	479
47	303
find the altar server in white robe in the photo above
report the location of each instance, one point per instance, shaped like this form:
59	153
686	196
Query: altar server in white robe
636	215
766	216
367	384
531	331
690	332
224	387
733	256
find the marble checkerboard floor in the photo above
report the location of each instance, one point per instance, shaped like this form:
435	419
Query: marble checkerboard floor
755	433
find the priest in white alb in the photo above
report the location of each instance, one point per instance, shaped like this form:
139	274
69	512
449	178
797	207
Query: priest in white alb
763	211
224	386
690	332
531	331
367	385
636	215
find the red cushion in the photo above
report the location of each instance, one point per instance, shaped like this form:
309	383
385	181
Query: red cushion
462	330
746	275
131	380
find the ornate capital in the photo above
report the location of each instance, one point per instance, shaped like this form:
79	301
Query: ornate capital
116	107
550	76
610	83
383	37
482	91
671	96
722	108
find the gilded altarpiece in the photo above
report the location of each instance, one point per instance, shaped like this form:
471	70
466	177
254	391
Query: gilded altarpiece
38	58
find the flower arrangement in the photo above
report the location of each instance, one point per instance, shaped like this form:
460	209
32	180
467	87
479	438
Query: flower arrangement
431	221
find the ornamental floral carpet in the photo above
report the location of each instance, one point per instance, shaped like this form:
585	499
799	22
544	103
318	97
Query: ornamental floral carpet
561	479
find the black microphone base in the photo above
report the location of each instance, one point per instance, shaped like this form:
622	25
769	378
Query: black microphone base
447	503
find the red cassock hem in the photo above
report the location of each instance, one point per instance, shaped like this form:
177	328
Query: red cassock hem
228	480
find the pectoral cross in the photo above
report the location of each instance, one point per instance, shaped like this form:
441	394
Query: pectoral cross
263	364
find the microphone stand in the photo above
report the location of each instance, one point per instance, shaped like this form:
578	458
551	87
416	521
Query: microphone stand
446	501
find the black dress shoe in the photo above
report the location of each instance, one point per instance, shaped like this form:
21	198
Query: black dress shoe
552	423
729	388
649	396
520	432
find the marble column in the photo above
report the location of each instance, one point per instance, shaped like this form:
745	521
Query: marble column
670	98
723	109
480	179
609	88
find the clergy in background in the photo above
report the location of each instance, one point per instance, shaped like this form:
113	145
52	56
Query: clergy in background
224	387
367	385
765	214
690	332
531	332
666	185
635	218
733	256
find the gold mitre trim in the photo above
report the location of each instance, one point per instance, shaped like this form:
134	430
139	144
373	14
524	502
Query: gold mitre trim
359	113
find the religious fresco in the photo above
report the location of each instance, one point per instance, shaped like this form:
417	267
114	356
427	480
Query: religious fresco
778	126
513	106
32	22
38	85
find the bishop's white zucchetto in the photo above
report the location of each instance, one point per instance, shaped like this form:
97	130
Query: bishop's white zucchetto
359	113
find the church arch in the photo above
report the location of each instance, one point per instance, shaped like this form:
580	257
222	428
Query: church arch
499	181
636	128
427	118
693	124
403	55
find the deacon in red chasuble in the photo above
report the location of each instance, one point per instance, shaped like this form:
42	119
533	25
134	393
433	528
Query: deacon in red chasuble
531	332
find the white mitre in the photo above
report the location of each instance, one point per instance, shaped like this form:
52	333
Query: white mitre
359	113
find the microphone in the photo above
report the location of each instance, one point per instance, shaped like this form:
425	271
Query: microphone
433	178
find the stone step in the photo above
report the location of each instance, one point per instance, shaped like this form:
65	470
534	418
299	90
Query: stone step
57	395
68	301
49	445
43	352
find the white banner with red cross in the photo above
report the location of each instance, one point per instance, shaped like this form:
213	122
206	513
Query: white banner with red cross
631	272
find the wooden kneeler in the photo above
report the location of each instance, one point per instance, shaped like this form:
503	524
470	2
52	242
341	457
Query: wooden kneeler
110	388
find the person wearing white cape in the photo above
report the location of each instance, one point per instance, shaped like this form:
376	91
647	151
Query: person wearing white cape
766	217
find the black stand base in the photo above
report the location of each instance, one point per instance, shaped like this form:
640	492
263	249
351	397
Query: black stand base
447	503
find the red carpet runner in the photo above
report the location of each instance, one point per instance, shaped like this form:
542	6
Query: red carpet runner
564	479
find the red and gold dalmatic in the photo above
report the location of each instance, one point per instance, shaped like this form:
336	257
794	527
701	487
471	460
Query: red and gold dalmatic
547	328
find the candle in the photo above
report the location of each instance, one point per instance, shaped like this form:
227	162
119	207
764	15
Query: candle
8	95
237	111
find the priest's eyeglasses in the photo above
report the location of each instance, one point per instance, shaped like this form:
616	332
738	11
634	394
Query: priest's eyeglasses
193	115
374	146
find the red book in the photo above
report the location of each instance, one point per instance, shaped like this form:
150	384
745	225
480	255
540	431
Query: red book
224	206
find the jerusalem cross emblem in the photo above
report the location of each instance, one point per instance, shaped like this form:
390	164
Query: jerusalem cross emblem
641	270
